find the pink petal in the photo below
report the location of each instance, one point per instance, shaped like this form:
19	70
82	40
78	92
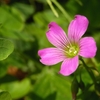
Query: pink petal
56	35
69	66
51	56
77	27
87	47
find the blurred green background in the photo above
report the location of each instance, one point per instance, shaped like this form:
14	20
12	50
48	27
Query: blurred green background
25	23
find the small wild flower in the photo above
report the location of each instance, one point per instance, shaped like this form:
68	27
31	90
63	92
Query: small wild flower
68	47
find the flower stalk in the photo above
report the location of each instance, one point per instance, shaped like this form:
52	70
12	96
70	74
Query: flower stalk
52	8
62	10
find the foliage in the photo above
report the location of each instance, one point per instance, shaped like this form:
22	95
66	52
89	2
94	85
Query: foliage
4	95
23	26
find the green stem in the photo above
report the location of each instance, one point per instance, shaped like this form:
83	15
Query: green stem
89	71
52	8
62	10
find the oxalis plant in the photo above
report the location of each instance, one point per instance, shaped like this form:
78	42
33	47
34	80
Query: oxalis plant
70	49
28	79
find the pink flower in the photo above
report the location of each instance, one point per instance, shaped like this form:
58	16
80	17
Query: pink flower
68	48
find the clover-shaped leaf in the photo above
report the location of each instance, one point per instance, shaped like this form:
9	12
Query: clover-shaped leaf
6	48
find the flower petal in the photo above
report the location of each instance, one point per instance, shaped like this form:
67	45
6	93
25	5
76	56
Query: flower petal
77	27
51	56
87	47
56	35
69	66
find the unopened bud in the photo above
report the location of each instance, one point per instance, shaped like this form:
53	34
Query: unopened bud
74	88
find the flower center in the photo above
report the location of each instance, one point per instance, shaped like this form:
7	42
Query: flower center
72	51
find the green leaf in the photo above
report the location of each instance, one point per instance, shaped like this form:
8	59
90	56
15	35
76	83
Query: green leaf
10	20
4	95
17	89
43	86
3	69
49	83
6	48
25	9
63	87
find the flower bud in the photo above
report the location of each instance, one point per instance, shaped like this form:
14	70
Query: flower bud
74	88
